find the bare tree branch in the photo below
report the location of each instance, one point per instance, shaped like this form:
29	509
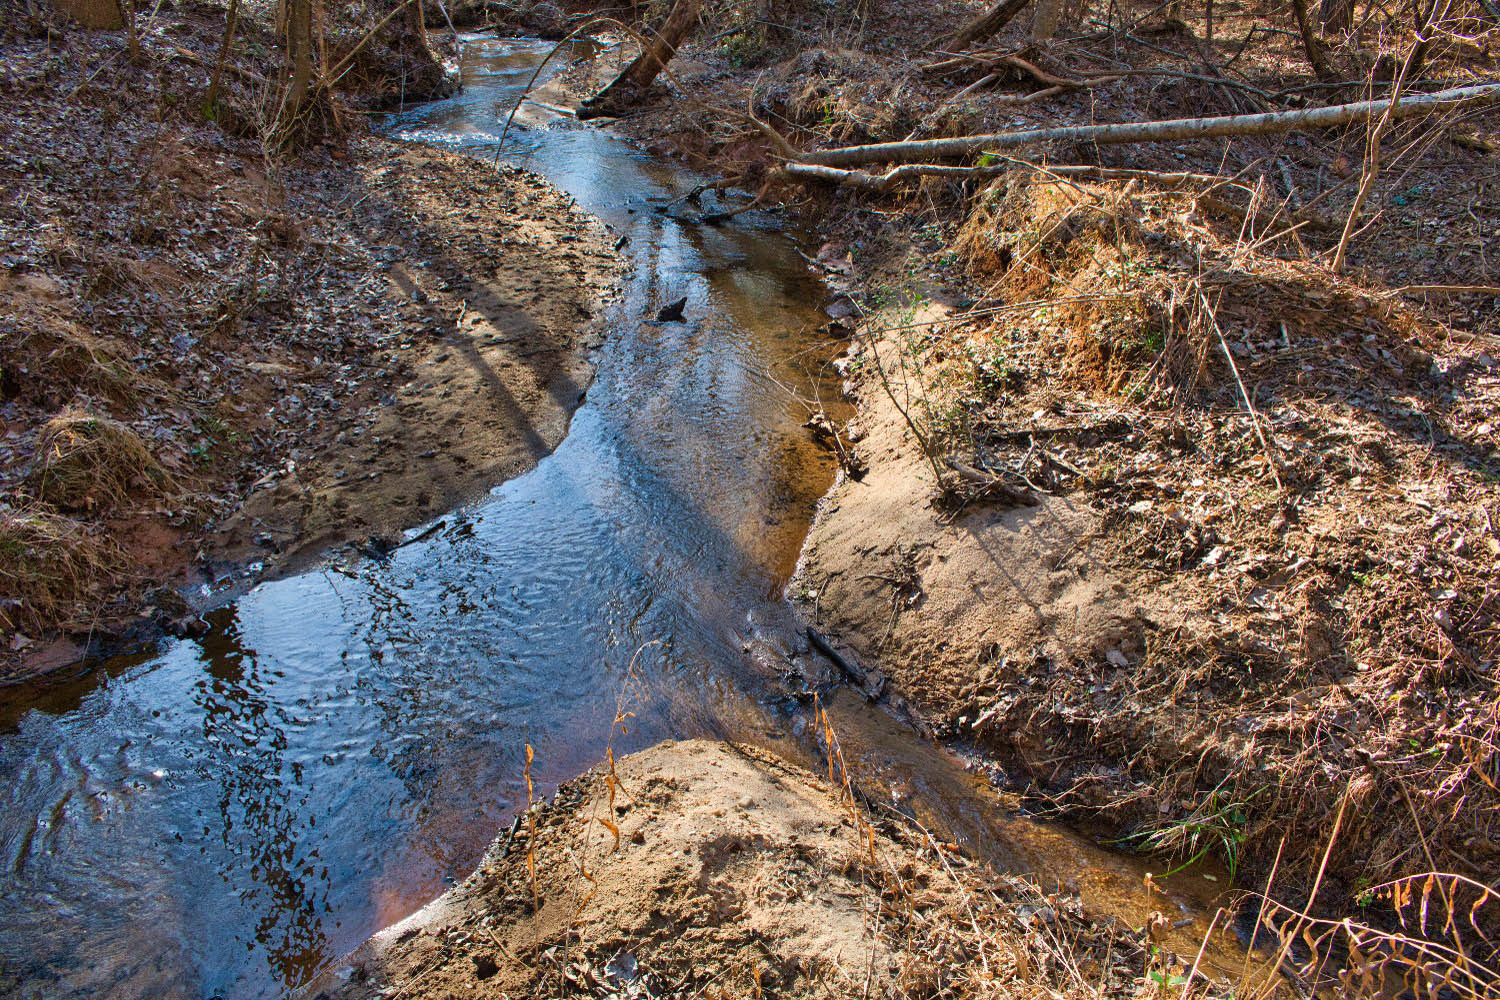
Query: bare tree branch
1172	130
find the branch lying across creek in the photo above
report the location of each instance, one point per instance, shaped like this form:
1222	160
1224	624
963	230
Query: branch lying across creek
1171	130
871	682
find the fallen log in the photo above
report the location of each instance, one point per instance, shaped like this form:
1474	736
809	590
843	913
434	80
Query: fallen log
985	25
1200	186
1171	130
866	181
644	68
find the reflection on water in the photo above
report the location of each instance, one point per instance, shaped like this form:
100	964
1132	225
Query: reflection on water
228	814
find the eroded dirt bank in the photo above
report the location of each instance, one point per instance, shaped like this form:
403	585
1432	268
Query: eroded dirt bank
699	868
1238	630
1215	569
217	357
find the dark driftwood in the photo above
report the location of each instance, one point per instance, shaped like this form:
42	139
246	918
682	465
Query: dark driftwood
990	485
871	682
672	312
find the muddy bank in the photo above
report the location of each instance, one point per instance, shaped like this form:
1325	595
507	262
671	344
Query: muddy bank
498	283
702	866
219	363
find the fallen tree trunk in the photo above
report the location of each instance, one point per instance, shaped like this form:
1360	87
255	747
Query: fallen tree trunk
985	25
644	68
865	181
1172	130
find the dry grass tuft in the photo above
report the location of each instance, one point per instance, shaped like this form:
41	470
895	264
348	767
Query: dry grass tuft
85	461
74	358
1137	279
50	568
1434	947
47	353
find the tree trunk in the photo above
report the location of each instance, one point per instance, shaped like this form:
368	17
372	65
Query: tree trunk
127	10
1316	57
1045	20
1418	55
416	21
986	25
1173	130
231	21
643	69
299	57
93	13
1337	15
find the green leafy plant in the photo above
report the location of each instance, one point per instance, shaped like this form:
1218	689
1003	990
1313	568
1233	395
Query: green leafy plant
1217	822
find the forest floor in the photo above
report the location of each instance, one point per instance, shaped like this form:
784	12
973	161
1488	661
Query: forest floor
218	363
1195	540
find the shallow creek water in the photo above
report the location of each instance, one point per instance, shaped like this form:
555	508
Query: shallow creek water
226	815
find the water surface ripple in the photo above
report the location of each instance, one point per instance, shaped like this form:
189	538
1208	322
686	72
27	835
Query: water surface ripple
229	813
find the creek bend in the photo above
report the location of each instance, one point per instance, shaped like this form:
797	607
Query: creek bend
227	815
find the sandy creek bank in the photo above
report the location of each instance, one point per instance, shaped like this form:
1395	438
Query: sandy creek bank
941	599
219	367
497	279
703	868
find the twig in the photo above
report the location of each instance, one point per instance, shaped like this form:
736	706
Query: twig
1372	162
415	979
1255	420
1446	290
1188	985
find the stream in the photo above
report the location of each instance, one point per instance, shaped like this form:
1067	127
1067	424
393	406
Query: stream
227	815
